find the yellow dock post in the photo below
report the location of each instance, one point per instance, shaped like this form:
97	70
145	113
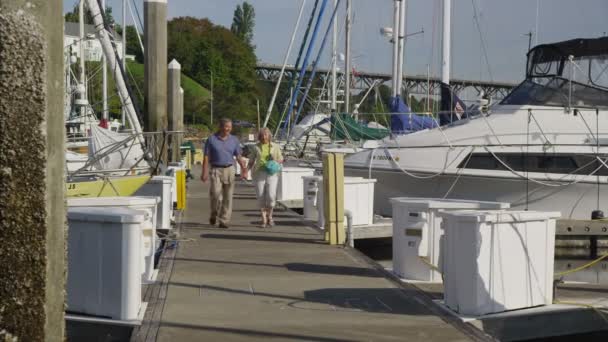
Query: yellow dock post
188	160
180	176
333	194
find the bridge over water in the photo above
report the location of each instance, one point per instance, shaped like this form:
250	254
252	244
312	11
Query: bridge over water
418	85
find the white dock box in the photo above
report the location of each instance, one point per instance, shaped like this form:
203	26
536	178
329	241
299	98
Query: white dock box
161	187
172	172
311	191
291	183
358	198
104	262
148	228
417	234
498	260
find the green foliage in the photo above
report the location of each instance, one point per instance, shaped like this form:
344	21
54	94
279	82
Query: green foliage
243	23
203	49
196	98
73	16
204	130
133	47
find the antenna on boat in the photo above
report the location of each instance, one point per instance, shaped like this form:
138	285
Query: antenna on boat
529	34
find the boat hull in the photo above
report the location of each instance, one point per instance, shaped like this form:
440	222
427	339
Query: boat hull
573	201
105	187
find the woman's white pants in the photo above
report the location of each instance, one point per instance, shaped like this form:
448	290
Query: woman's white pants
266	188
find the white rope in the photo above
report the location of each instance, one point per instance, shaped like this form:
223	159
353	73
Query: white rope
490	127
371	161
411	174
459	173
541	182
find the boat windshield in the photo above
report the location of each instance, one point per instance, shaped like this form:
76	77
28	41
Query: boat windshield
573	73
557	92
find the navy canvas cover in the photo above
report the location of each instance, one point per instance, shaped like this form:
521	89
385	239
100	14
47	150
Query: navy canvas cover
410	122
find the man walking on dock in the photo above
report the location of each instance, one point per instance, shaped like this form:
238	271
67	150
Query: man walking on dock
220	151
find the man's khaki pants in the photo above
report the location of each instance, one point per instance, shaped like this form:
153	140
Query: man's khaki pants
220	192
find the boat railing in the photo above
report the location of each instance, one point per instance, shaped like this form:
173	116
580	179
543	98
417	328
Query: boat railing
156	143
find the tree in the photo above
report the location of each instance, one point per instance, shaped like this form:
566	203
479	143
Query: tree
73	16
243	23
203	48
133	47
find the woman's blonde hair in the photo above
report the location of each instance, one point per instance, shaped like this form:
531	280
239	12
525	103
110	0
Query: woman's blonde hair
264	131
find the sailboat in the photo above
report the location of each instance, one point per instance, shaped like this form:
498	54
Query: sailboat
544	147
117	162
328	131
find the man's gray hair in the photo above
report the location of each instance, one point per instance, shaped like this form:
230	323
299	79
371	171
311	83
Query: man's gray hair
224	121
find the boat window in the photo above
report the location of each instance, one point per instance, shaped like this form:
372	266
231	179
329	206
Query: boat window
598	71
571	74
482	162
557	92
543	163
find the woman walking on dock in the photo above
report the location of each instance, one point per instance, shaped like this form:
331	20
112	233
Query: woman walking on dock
265	162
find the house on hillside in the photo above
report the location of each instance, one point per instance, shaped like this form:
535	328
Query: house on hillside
92	46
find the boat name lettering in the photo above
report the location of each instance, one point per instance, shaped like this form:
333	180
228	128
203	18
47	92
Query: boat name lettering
386	158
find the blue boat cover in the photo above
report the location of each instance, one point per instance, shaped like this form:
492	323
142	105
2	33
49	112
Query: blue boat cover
407	123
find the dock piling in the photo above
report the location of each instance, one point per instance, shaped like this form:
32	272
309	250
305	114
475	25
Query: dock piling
333	193
174	104
32	178
155	60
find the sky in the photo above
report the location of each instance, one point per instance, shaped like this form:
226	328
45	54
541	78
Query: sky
493	28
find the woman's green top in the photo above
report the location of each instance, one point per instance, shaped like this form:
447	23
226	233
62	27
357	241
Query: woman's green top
262	153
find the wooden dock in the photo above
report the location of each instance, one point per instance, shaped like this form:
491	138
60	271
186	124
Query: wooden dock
247	283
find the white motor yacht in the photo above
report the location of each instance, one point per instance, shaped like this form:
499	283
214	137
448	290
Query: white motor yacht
544	147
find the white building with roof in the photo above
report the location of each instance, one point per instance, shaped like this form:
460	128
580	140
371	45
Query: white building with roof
92	46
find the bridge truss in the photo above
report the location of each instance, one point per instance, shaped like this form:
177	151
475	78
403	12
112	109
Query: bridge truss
418	85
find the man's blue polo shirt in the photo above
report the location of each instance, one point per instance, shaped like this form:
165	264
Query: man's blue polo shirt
222	152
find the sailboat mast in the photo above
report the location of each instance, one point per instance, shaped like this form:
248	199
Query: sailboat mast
124	49
334	65
396	46
104	72
121	86
285	60
445	63
347	66
401	45
82	86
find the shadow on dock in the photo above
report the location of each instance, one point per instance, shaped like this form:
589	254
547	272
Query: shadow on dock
251	333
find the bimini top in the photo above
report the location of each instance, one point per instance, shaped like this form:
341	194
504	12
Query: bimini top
578	47
553	80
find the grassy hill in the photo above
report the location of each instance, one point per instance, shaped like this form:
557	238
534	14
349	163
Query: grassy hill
196	97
